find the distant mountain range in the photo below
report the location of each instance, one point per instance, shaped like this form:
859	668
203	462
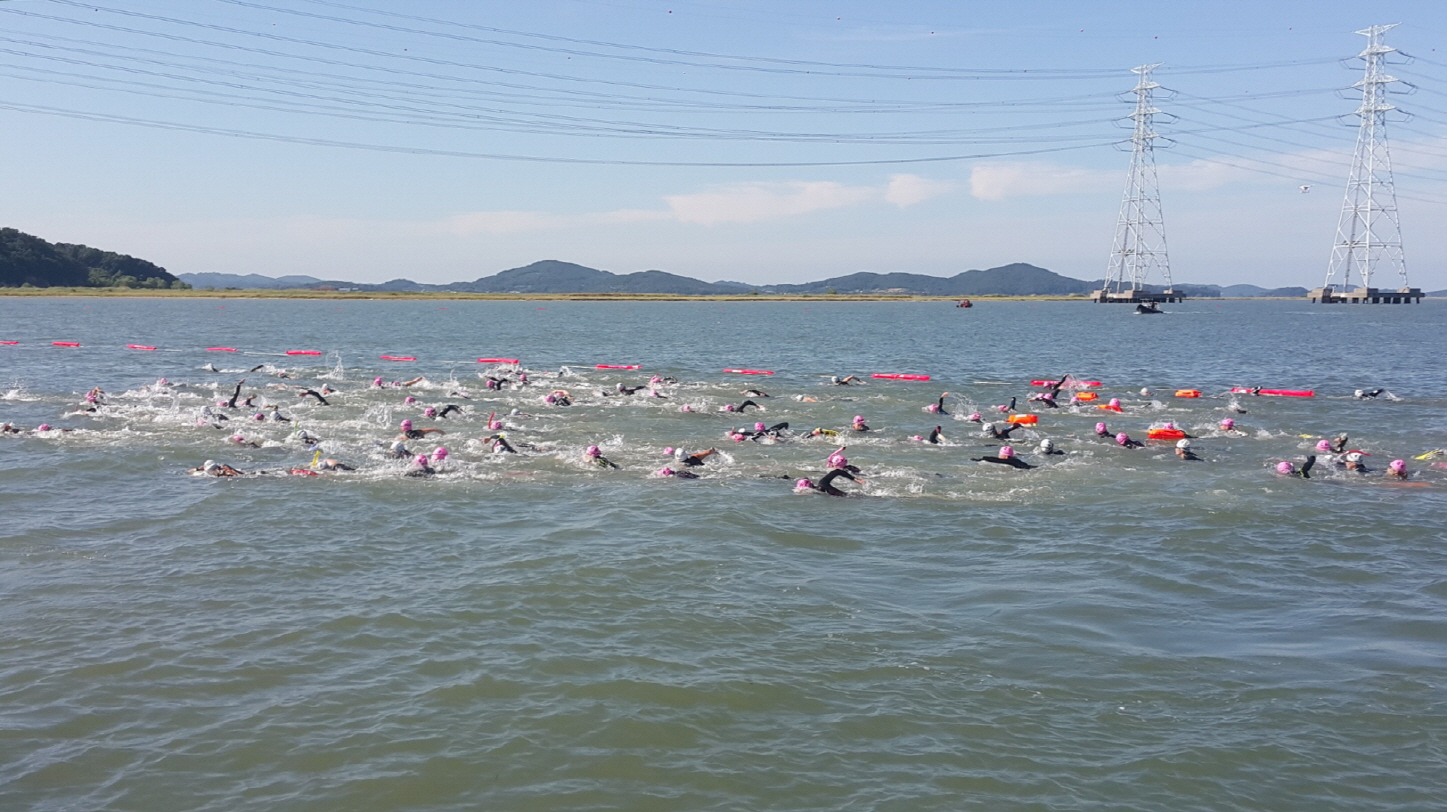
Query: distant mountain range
552	276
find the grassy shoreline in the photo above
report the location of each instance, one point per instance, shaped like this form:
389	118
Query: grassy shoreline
257	293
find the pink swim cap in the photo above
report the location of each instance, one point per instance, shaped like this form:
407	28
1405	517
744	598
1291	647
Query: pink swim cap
685	408
1169	425
804	485
549	399
1114	402
736	437
90	397
1397	465
1285	468
409	399
43	427
421	461
258	416
916	437
1122	438
668	451
440	453
406	425
220	403
665	471
1323	445
758	427
1006	452
1228	423
1100	427
976	417
377	381
237	438
429	411
495	425
859	418
729	408
655	379
837	461
933	407
594	451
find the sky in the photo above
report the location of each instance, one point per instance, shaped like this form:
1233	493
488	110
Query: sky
748	140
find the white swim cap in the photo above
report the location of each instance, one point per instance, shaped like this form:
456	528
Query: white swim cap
1183	444
208	465
1047	444
1354	456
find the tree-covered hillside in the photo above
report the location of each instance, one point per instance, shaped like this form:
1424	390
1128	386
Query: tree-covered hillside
29	260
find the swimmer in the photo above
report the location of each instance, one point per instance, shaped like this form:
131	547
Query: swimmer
1287	469
500	445
752	393
333	465
1171	426
243	442
417	379
743	407
249	401
9	428
315	394
845	381
231	404
1353	462
1145	392
1101	430
449	409
935	436
277	416
398	449
377	382
1339	443
1397	469
595	456
1047	447
211	368
999	433
838	462
938	407
665	471
1005	457
1124	441
558	397
1009	407
825	485
805	399
409	433
257	368
1229	426
823	433
976	417
694	460
212	468
1183	451
1365	395
305	437
1046	399
420	467
858	424
628	390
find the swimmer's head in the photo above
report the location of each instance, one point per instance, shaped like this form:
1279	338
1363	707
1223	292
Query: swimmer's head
514	413
834	379
429	412
1122	438
1145	393
1354	456
758	427
1359	393
258	416
1397	465
237	438
804	484
976	416
1006	452
495	425
1100	428
377	381
655	379
736	437
409	399
1228	424
1114	402
1183	444
665	471
1169	426
549	399
917	437
933	407
43	427
209	465
1285	468
1047	444
668	451
859	418
440	454
399	448
685	408
729	407
1323	445
406	425
593	451
420	461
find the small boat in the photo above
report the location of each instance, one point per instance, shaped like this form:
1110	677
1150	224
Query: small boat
1147	308
965	303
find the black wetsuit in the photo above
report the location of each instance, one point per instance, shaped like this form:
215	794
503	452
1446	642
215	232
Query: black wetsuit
940	406
771	432
1305	472
501	442
314	393
231	404
1339	444
748	393
1189	456
628	390
1002	434
934	436
685	475
414	434
1372	393
693	460
1013	462
745	405
826	484
425	470
1011	407
604	462
449	409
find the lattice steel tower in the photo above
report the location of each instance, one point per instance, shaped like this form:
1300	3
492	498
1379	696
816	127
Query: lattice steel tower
1140	233
1368	233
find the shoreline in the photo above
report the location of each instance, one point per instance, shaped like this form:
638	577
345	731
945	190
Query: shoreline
265	293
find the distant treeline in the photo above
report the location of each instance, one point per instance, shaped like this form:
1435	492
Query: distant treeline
28	261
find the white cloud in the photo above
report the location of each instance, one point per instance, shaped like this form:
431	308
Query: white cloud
756	202
907	190
997	181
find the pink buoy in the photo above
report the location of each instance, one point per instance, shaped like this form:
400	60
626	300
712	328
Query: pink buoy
497	360
751	371
898	377
303	352
616	366
398	358
139	347
66	343
222	349
9	342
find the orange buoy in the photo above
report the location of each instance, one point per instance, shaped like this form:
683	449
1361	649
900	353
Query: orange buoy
1166	434
1024	419
1110	407
1086	396
1188	393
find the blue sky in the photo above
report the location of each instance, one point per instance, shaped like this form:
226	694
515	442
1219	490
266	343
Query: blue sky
442	140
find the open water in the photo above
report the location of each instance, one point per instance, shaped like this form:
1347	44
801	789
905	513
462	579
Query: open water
1117	629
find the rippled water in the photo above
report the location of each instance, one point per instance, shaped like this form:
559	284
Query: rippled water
1115	630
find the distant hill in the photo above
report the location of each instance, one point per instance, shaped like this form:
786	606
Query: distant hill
29	260
1019	279
1252	291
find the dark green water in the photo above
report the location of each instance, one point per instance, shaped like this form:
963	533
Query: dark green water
1113	630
